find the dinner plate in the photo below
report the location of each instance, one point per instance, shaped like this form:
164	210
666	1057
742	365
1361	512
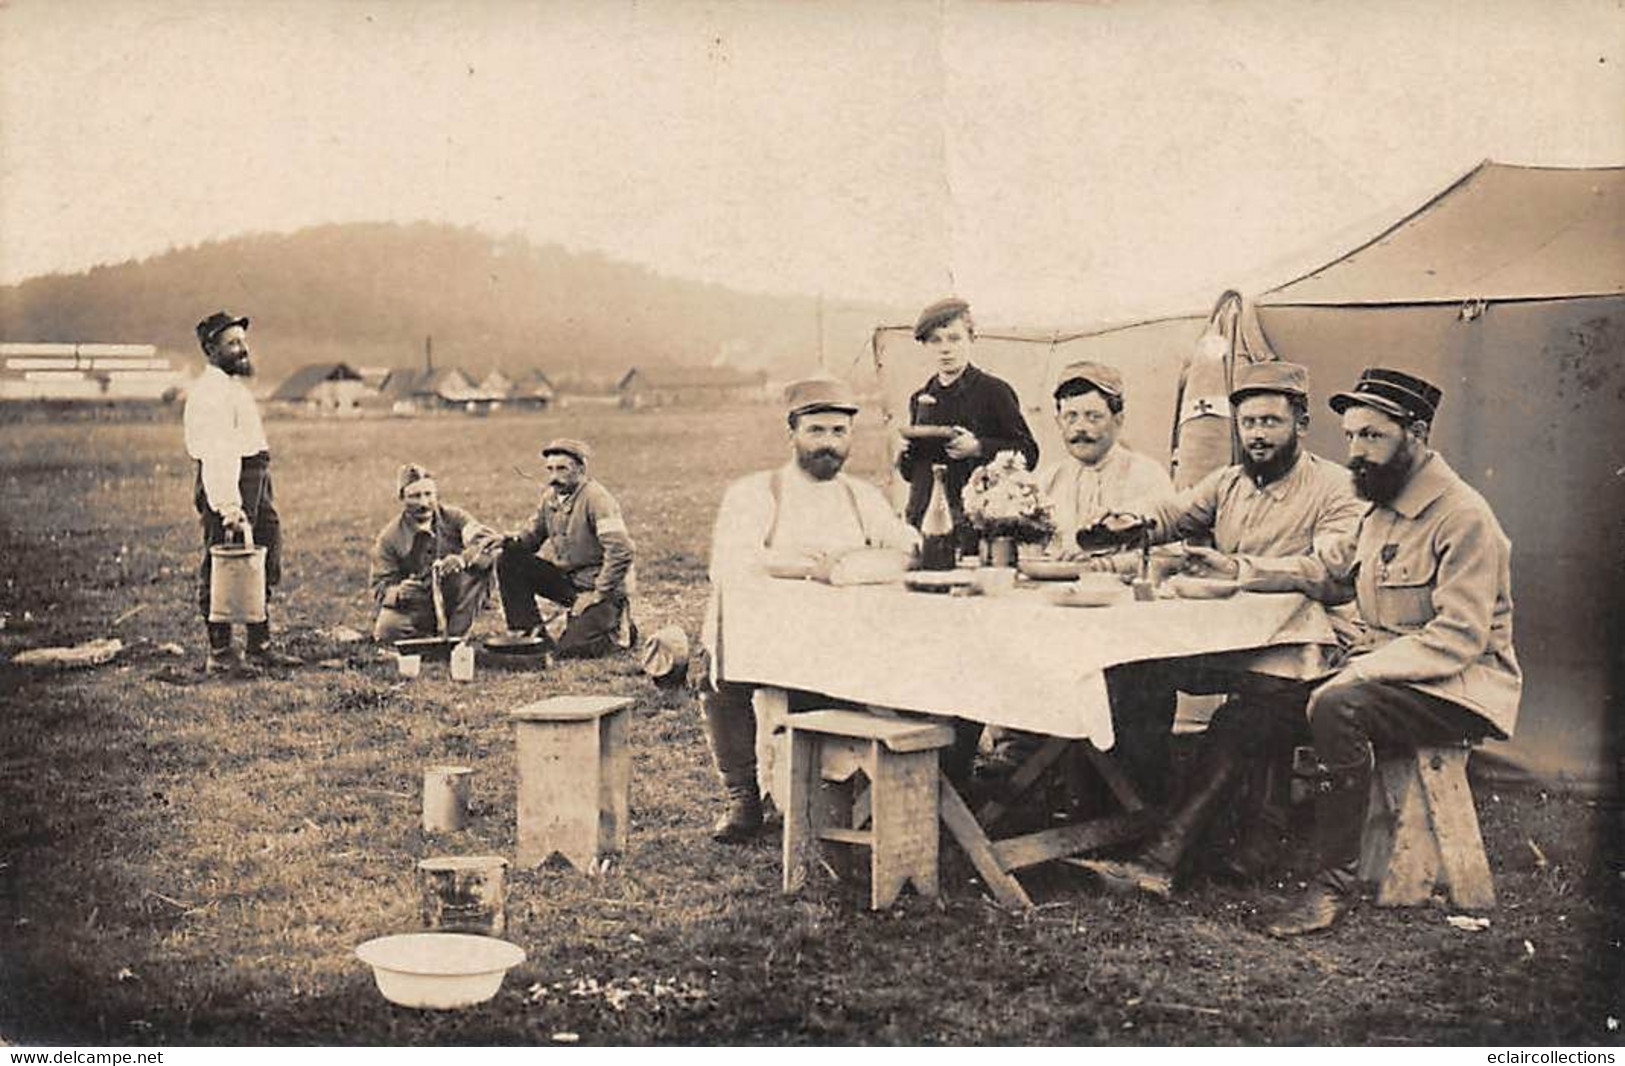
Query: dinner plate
799	570
1091	595
1050	569
927	432
1201	588
939	580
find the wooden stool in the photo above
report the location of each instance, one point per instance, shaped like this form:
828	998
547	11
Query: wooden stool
1421	831
574	772
828	749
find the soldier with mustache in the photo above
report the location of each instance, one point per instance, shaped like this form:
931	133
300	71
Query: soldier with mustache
576	554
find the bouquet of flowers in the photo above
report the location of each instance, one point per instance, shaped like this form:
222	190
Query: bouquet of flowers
1002	499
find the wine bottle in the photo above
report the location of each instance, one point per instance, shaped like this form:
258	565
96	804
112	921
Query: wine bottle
940	549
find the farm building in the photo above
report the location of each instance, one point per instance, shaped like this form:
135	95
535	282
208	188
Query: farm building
532	390
97	372
668	386
438	388
324	387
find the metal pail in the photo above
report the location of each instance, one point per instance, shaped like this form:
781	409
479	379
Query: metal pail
237	581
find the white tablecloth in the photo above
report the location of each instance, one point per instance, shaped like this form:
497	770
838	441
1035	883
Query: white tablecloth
1014	660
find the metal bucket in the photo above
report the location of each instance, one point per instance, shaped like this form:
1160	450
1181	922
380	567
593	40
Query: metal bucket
237	581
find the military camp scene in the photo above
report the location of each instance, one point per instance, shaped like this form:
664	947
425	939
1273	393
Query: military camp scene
920	523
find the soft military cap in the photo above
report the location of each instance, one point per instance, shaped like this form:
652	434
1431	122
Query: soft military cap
938	315
576	449
1287	379
1108	379
819	394
665	656
408	475
1394	393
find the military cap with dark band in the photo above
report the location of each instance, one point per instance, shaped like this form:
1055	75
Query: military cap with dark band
216	324
1394	393
576	449
410	474
819	394
938	315
1287	379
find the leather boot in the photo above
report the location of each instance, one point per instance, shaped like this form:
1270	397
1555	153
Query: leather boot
1263	827
1152	871
730	729
1340	809
742	819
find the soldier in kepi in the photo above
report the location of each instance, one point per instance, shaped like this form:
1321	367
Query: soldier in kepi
1433	663
577	555
226	439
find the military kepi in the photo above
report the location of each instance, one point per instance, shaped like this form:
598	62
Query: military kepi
576	449
1394	393
819	394
938	315
1287	379
216	324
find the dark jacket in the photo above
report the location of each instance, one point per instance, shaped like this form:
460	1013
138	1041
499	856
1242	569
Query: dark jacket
402	552
984	405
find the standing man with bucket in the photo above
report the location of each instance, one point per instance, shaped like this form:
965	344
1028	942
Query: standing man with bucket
225	437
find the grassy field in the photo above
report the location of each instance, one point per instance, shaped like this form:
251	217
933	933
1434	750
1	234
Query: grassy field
193	862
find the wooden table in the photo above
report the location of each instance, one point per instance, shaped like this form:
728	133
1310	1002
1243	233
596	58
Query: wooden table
1015	660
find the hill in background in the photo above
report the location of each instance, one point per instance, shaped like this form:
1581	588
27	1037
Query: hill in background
369	293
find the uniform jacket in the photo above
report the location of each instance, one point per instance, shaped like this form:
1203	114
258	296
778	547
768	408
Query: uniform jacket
1432	579
1295	534
402	551
584	535
1123	481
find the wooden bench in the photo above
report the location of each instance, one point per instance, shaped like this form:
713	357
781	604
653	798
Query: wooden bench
1421	831
575	770
832	755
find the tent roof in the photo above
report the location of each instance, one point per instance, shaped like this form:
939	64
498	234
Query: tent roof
1500	232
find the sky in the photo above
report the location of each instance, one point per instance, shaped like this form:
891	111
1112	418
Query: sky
1055	163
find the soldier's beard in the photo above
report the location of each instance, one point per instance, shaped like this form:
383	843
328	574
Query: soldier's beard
1381	482
1270	470
239	366
822	464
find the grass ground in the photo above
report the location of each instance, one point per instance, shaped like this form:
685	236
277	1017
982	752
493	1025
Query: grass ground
193	863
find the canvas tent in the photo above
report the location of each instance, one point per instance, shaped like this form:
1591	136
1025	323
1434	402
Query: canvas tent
1508	290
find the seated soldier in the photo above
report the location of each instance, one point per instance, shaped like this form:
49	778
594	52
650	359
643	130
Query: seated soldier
428	542
576	554
798	513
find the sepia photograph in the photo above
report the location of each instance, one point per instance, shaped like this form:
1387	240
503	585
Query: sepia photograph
956	523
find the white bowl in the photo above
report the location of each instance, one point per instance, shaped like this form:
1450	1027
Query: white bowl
439	971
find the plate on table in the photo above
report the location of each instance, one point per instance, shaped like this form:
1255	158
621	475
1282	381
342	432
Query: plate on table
1092	590
939	580
927	432
1051	569
1201	588
797	570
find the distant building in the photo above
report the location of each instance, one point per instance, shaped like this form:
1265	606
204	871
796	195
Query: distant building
690	386
532	390
90	372
324	387
438	389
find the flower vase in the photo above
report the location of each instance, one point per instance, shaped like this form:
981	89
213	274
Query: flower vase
1001	551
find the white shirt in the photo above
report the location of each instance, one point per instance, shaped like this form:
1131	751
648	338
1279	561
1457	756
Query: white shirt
1123	480
222	427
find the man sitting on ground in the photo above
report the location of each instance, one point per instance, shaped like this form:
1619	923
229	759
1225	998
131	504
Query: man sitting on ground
797	514
577	554
429	542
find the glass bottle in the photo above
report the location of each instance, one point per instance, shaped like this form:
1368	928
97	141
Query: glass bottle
940	548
